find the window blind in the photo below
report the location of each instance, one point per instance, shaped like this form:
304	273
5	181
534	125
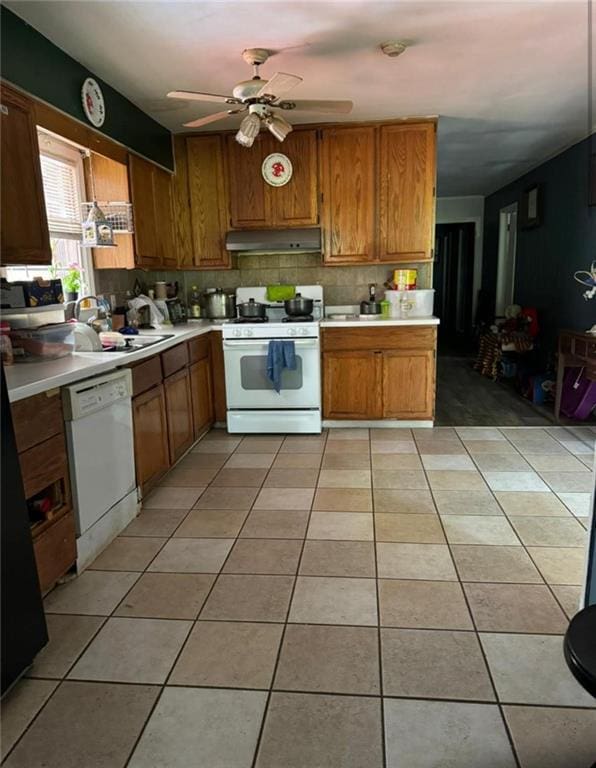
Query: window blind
62	198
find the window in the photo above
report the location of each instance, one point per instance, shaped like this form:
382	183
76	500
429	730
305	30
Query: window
64	189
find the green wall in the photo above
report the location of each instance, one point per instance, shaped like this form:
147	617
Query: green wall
31	62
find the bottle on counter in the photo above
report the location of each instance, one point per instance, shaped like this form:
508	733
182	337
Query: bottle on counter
194	303
6	344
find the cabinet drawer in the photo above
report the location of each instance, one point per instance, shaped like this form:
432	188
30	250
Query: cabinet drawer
174	359
43	465
146	375
55	551
412	337
198	349
37	418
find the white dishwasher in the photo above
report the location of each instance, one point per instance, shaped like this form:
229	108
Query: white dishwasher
99	434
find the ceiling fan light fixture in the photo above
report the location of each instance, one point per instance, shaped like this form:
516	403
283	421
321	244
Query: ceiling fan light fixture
249	130
393	48
279	127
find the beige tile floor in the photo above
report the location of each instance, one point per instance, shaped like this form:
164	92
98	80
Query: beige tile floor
360	599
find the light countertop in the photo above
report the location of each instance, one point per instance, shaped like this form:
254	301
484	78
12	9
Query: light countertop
27	379
359	322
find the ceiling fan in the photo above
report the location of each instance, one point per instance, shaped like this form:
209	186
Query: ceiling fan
260	98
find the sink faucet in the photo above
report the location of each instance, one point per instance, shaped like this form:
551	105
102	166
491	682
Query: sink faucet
78	302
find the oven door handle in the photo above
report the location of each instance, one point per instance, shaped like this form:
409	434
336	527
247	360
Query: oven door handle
264	344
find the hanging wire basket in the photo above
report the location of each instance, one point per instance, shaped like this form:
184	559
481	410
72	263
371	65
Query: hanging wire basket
118	214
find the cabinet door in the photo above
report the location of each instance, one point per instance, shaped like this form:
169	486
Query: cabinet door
179	413
220	405
408	384
181	204
24	238
250	200
348	205
351	385
141	175
152	458
407	198
296	203
202	396
208	201
109	179
164	215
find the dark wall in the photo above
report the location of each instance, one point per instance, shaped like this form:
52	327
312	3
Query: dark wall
31	62
548	255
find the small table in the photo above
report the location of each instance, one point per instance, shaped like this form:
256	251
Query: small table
576	349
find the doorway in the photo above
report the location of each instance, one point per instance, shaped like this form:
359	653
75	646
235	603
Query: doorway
453	281
506	259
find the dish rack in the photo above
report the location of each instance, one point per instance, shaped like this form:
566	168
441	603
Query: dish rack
118	214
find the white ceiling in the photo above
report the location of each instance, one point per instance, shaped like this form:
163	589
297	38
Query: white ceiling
508	79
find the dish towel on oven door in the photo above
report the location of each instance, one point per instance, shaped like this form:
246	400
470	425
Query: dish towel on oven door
280	354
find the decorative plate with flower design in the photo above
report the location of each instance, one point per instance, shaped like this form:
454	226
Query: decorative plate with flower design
277	169
93	102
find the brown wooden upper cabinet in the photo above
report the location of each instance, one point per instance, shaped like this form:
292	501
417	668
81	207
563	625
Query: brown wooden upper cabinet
181	201
151	192
348	194
256	204
407	190
208	201
25	237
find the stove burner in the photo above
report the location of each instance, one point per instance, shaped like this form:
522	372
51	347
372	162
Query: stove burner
242	320
298	319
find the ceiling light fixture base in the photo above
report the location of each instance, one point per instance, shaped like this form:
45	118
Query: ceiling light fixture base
256	56
393	48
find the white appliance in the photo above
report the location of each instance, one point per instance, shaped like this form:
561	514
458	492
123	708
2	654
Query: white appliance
99	436
253	404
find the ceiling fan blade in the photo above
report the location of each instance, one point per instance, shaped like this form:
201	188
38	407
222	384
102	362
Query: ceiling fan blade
279	84
212	118
197	96
318	105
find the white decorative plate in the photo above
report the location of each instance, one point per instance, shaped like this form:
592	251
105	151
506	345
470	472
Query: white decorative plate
277	169
93	102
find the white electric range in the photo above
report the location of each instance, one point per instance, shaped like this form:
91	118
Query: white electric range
252	402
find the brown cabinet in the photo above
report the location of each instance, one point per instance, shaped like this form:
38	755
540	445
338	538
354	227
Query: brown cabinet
208	202
181	203
24	226
407	191
218	377
107	180
256	204
152	456
351	385
250	202
202	396
179	413
39	433
151	192
371	373
348	194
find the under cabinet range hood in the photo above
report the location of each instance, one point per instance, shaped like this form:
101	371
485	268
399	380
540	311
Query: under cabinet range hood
274	240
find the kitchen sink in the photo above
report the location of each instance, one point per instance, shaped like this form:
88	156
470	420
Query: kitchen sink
133	343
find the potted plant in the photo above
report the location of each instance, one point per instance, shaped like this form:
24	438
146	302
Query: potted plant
71	281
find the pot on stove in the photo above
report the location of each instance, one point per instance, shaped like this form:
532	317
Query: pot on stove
299	306
252	310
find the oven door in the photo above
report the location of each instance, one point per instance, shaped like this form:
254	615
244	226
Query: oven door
247	385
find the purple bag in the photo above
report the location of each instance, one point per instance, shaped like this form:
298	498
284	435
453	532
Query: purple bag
578	398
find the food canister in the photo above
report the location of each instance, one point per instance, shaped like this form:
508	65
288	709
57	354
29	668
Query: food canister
405	279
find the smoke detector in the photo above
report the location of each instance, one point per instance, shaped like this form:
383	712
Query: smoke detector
393	47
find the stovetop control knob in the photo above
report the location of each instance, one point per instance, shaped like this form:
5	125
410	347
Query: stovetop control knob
236	332
302	331
248	332
291	331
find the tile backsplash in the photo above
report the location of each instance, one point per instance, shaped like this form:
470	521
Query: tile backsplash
343	285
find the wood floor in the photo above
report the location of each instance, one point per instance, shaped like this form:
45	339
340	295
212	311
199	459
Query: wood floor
465	398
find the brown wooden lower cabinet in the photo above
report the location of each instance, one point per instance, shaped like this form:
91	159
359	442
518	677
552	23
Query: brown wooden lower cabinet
218	377
351	385
152	455
55	550
379	373
202	396
179	413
